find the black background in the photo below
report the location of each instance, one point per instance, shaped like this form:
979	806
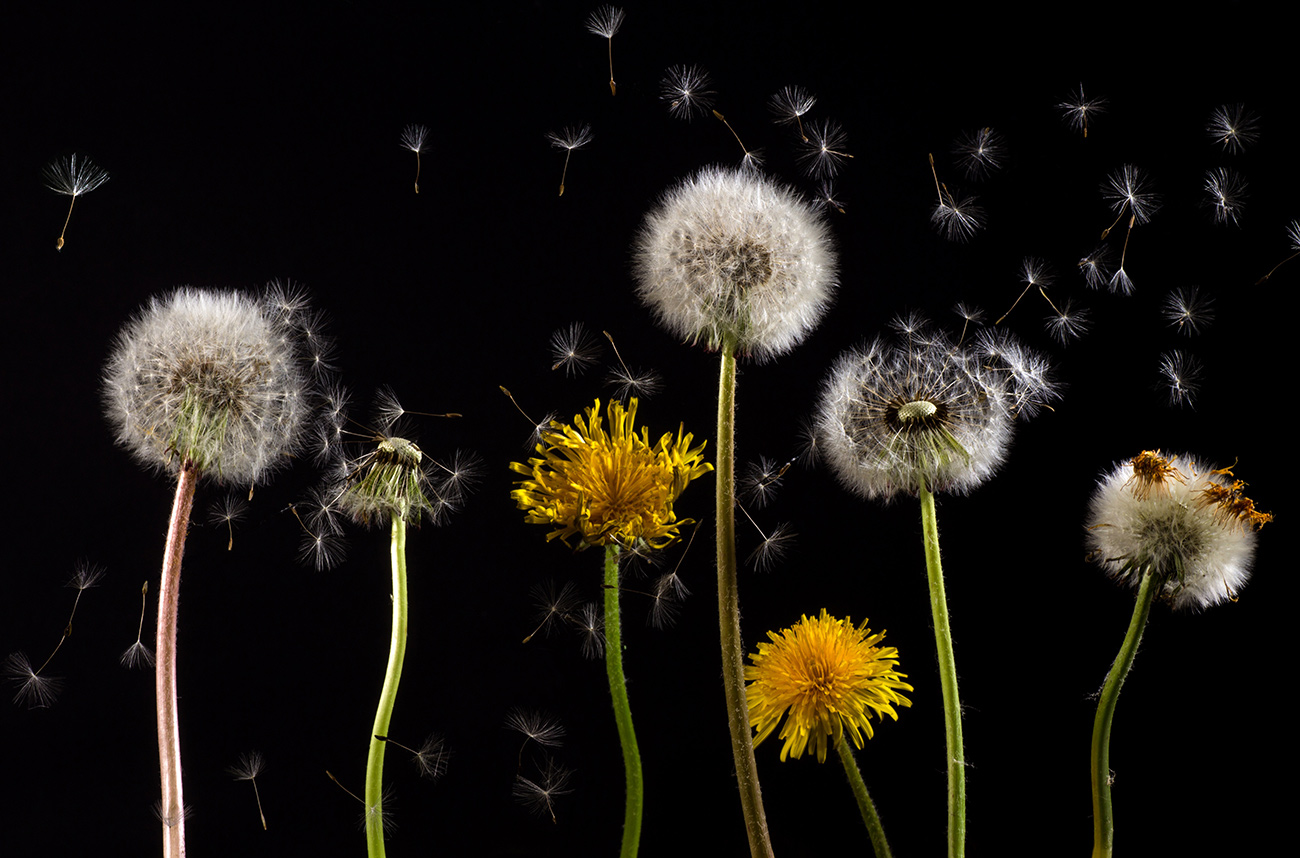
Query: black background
245	148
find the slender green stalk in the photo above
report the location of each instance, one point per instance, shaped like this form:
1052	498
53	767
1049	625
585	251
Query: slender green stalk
733	652
947	679
1103	823
172	809
869	817
384	713
622	710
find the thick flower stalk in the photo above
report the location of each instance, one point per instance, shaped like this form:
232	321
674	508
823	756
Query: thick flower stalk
611	487
827	678
1179	531
203	384
925	415
389	484
745	266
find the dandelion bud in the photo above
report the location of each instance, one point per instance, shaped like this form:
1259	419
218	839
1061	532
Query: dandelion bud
729	255
211	380
1179	518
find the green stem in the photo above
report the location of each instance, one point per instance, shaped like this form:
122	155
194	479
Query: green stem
172	809
383	714
733	652
865	805
947	679
1103	823
622	710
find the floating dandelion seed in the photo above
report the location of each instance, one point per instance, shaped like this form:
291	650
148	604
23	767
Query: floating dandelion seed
535	727
789	104
969	316
227	511
248	768
539	426
751	160
1066	322
1034	274
553	605
1188	310
1233	127
685	88
823	149
573	137
771	547
539	795
34	689
138	654
430	758
761	480
1226	190
604	22
628	384
1181	374
1079	108
957	218
592	628
980	153
826	678
826	196
1292	233
1096	267
73	176
574	349
413	139
1128	190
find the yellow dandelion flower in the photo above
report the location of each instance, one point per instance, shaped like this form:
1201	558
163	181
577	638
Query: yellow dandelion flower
830	676
608	486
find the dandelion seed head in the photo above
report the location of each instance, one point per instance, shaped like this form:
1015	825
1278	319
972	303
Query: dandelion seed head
210	380
827	678
1186	522
896	417
728	255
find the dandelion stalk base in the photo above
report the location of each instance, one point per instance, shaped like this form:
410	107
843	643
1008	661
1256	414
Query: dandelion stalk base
384	713
870	818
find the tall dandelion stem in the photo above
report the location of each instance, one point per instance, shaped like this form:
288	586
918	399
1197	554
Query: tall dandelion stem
947	679
387	697
1103	823
868	808
733	654
622	710
172	809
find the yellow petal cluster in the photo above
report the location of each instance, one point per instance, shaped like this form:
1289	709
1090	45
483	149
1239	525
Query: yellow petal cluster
608	486
830	676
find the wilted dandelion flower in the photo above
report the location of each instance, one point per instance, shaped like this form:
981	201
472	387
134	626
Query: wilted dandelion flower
829	677
73	177
1233	127
728	255
608	486
896	417
213	381
1182	520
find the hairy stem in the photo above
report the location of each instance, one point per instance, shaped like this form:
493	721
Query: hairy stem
622	710
947	679
1103	823
387	697
875	830
172	809
733	652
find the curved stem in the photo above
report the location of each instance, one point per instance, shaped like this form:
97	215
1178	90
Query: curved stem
1103	823
622	710
947	679
172	809
869	817
374	798
733	653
